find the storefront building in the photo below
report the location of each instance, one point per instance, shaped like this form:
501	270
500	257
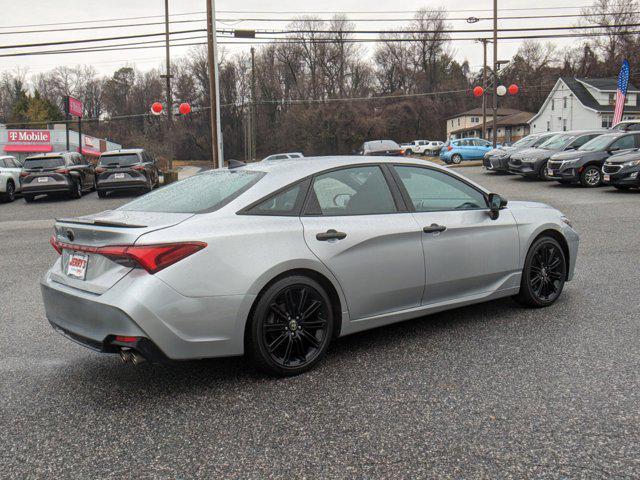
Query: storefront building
22	143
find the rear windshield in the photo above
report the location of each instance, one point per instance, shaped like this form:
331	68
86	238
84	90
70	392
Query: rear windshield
48	162
201	193
122	160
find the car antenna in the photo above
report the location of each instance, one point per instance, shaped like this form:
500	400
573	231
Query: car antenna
235	164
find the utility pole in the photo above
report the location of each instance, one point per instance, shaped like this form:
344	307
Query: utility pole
254	116
484	88
168	78
495	73
216	154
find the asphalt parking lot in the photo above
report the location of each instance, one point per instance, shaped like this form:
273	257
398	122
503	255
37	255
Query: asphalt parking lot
485	391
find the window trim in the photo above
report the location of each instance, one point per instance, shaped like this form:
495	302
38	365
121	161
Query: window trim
407	197
305	183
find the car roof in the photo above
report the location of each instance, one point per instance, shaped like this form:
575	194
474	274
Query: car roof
49	155
380	143
120	151
286	172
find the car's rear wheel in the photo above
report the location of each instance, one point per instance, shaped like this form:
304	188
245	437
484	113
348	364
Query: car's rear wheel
544	273
28	198
591	177
10	192
456	159
76	189
291	326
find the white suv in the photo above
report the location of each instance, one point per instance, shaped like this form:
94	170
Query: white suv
10	170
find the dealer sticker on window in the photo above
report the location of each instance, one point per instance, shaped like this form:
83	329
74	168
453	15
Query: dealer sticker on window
77	266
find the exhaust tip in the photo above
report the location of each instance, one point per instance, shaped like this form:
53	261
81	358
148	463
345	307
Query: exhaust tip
136	358
125	356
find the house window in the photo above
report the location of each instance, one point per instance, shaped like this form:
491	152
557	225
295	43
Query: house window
458	122
564	124
564	102
612	99
607	120
553	104
548	126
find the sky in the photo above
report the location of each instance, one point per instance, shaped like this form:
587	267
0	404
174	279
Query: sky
32	12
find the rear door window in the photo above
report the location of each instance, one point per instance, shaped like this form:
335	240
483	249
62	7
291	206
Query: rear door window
624	143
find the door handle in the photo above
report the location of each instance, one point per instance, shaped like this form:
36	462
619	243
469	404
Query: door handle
330	235
433	228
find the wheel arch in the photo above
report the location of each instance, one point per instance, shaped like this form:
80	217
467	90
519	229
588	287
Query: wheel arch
338	302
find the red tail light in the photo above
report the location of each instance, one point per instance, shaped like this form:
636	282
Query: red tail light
138	167
152	258
449	147
55	244
100	169
63	171
120	338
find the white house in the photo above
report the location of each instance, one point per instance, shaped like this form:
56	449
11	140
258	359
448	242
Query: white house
583	103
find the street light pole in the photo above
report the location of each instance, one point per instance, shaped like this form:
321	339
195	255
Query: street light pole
495	73
216	153
484	88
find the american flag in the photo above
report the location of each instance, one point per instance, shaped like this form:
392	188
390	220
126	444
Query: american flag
621	94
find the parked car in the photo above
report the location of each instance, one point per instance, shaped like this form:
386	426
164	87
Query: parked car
283	156
627	125
10	170
422	147
53	173
383	148
622	171
584	165
497	159
532	162
126	169
455	151
329	247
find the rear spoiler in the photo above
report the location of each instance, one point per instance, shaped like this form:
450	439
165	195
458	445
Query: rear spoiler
99	223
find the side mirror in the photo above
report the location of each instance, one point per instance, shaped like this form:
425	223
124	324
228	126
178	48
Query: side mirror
496	202
613	149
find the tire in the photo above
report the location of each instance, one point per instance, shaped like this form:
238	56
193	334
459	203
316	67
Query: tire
149	186
543	275
408	152
456	159
28	198
77	190
542	172
102	193
278	330
10	192
591	176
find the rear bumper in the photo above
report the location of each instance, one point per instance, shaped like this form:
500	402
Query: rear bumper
52	186
141	305
125	184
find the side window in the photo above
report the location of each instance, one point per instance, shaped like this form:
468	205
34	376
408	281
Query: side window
351	191
4	163
282	204
624	142
433	191
578	142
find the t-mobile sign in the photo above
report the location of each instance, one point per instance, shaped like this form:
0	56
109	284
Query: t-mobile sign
29	136
75	107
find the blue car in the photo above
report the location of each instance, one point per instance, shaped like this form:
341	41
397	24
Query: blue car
455	151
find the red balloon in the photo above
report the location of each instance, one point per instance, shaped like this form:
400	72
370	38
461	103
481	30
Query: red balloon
478	91
513	89
184	108
156	107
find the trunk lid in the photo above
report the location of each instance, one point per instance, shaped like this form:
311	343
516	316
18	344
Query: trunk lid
112	227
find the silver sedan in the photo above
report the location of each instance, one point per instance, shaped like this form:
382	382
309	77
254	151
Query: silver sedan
276	259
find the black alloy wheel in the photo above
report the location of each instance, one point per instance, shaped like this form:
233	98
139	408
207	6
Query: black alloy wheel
544	273
291	327
543	172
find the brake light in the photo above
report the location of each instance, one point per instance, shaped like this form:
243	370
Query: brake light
100	169
120	338
63	171
449	147
139	167
54	243
152	258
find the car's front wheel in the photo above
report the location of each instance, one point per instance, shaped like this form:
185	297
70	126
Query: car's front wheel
544	273
10	192
456	159
291	326
591	176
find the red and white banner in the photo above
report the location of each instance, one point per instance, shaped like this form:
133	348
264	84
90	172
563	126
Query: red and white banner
75	107
28	136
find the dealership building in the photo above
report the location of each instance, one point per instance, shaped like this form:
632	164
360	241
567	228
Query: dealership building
22	143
